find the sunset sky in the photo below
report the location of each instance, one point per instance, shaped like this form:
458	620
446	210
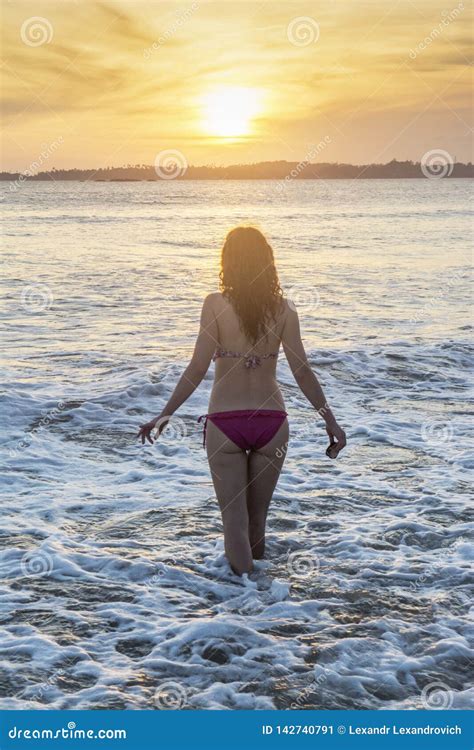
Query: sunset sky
116	82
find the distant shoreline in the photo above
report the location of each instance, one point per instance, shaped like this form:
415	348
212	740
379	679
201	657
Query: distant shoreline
281	171
224	179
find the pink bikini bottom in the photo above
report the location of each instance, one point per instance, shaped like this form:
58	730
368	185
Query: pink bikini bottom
250	429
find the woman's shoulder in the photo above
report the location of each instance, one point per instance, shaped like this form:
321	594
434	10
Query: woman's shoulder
214	296
289	305
215	299
286	306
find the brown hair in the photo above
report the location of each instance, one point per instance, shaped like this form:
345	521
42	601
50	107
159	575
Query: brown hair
249	279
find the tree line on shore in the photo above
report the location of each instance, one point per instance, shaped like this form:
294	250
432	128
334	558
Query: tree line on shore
269	170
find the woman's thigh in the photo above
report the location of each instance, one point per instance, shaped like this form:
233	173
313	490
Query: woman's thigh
264	467
228	465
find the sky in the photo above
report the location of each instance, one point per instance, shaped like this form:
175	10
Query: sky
93	84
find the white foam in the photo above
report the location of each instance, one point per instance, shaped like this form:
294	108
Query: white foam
111	553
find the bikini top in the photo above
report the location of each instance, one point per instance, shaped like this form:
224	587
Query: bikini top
251	360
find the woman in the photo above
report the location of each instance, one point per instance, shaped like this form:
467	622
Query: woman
246	430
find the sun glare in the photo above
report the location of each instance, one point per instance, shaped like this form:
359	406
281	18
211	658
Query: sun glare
228	112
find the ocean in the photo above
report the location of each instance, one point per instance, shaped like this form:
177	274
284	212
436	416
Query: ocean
115	590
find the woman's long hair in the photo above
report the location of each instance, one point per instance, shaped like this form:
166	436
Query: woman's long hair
249	279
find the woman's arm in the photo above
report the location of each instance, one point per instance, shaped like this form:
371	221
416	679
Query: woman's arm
190	379
306	379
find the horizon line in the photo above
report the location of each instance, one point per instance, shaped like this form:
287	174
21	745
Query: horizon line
173	165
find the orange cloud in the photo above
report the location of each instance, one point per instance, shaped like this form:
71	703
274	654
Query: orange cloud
120	81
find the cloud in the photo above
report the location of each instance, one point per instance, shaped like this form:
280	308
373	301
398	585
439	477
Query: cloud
113	69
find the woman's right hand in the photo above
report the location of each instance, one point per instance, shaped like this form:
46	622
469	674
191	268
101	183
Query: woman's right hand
145	431
337	438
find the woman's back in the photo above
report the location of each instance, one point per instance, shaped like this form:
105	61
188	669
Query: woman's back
246	430
245	373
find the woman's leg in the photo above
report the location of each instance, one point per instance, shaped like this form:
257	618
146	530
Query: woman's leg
228	464
264	469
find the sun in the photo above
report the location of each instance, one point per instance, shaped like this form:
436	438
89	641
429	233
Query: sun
229	111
